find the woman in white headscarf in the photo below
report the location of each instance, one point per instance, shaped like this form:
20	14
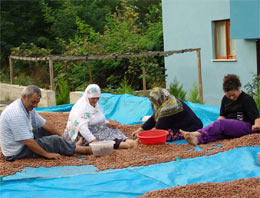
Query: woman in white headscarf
88	121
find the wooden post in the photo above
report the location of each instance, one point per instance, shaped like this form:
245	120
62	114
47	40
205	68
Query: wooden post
90	72
11	71
144	80
51	74
199	74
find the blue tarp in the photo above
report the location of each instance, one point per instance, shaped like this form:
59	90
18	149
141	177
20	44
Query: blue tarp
85	181
126	109
129	109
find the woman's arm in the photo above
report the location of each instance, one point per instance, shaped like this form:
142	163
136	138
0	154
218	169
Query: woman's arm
85	132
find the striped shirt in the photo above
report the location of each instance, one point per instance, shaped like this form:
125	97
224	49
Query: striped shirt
16	125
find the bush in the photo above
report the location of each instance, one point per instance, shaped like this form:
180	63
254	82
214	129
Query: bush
253	89
62	93
177	90
194	94
125	88
23	80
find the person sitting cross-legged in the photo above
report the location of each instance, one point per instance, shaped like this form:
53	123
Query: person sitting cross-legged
239	116
87	123
25	134
169	113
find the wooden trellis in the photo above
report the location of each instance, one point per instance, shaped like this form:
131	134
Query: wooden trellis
51	59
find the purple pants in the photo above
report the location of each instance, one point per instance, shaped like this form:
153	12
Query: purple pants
223	129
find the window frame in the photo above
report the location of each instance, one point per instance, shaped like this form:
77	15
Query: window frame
227	35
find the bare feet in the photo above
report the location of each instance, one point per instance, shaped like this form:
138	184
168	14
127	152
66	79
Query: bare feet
83	149
191	137
133	143
79	142
129	143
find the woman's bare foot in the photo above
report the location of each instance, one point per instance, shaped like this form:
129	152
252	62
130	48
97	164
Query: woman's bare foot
191	137
133	143
128	144
184	133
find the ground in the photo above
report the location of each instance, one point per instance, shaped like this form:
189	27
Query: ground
145	155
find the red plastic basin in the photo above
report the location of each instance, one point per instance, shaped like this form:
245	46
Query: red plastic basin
152	137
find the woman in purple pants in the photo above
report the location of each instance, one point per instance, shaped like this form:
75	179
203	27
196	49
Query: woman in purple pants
239	116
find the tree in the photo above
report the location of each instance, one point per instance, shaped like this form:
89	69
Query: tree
21	21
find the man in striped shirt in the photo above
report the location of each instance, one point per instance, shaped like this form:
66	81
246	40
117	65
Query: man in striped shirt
25	134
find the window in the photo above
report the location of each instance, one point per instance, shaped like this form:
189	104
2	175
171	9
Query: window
224	47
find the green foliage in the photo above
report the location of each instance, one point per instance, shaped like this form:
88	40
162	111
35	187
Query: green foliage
194	94
253	89
4	77
38	72
81	28
176	89
30	49
155	75
153	37
121	35
109	89
125	88
257	97
62	93
21	21
23	80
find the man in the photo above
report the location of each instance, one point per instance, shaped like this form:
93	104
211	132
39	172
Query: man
25	134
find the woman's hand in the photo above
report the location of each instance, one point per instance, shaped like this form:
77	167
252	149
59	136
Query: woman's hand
134	134
256	126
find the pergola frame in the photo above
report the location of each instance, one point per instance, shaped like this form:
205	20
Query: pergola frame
87	58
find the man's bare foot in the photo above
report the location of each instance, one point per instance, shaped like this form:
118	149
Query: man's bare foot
79	142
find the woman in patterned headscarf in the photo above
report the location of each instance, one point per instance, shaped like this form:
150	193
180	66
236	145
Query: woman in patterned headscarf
170	114
88	121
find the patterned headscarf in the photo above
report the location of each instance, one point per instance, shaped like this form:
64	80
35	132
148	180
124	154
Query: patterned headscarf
82	112
92	91
164	104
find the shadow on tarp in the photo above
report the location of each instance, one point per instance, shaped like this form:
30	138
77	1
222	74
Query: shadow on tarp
84	181
129	109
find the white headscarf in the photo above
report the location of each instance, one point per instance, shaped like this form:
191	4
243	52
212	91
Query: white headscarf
82	112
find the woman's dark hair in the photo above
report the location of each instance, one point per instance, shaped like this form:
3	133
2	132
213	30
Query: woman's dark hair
231	82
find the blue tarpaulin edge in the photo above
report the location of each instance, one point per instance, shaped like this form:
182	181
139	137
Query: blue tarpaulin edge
85	181
129	109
